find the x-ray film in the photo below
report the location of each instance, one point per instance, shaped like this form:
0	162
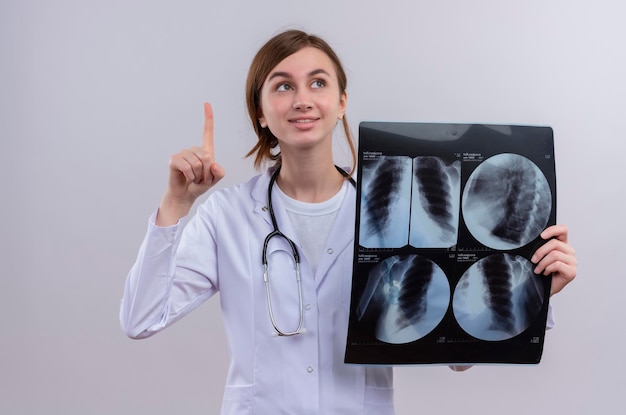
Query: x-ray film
448	217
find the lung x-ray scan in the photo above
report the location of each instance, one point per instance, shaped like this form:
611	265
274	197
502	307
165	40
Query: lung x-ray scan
448	217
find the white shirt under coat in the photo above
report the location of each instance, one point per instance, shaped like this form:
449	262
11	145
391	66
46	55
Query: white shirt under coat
219	249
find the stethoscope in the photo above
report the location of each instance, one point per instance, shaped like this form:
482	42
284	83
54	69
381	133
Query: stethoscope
296	257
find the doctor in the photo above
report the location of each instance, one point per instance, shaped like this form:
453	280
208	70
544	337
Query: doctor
286	336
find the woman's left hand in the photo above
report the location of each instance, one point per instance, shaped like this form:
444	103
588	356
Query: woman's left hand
556	257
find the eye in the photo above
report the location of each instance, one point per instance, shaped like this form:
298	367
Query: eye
318	83
283	87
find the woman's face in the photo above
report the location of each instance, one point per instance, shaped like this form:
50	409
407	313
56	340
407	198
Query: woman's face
301	101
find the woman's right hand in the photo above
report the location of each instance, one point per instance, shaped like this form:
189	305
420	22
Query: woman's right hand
193	171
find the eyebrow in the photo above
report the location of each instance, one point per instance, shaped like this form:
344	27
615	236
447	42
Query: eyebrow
288	75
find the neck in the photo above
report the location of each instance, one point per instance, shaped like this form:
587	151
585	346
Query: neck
309	181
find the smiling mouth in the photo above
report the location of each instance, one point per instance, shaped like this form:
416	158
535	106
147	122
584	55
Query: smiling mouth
304	121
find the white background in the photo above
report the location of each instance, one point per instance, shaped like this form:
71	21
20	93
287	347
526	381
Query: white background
95	97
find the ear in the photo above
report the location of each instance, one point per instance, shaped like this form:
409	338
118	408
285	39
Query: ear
261	118
343	103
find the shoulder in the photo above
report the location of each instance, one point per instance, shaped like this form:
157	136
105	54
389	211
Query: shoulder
244	194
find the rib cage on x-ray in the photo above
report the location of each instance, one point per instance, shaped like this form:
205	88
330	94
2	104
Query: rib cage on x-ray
435	202
407	295
385	202
498	297
506	202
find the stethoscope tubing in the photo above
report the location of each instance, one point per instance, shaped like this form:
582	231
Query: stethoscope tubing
296	258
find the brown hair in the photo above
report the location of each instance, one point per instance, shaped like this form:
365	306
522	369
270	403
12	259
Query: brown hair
271	54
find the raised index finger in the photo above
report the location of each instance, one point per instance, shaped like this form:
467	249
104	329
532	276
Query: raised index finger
207	133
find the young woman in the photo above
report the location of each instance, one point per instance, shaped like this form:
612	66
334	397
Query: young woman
237	240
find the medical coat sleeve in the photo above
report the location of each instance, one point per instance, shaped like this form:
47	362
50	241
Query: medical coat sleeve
162	286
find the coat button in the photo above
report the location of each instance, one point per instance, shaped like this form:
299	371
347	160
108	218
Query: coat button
330	251
308	306
309	369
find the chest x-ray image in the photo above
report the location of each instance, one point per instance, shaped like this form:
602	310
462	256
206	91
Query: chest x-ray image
409	201
448	216
386	202
407	296
498	297
506	201
435	202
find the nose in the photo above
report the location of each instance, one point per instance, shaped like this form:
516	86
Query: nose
302	100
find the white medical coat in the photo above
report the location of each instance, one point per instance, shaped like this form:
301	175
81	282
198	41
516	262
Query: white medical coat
220	250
